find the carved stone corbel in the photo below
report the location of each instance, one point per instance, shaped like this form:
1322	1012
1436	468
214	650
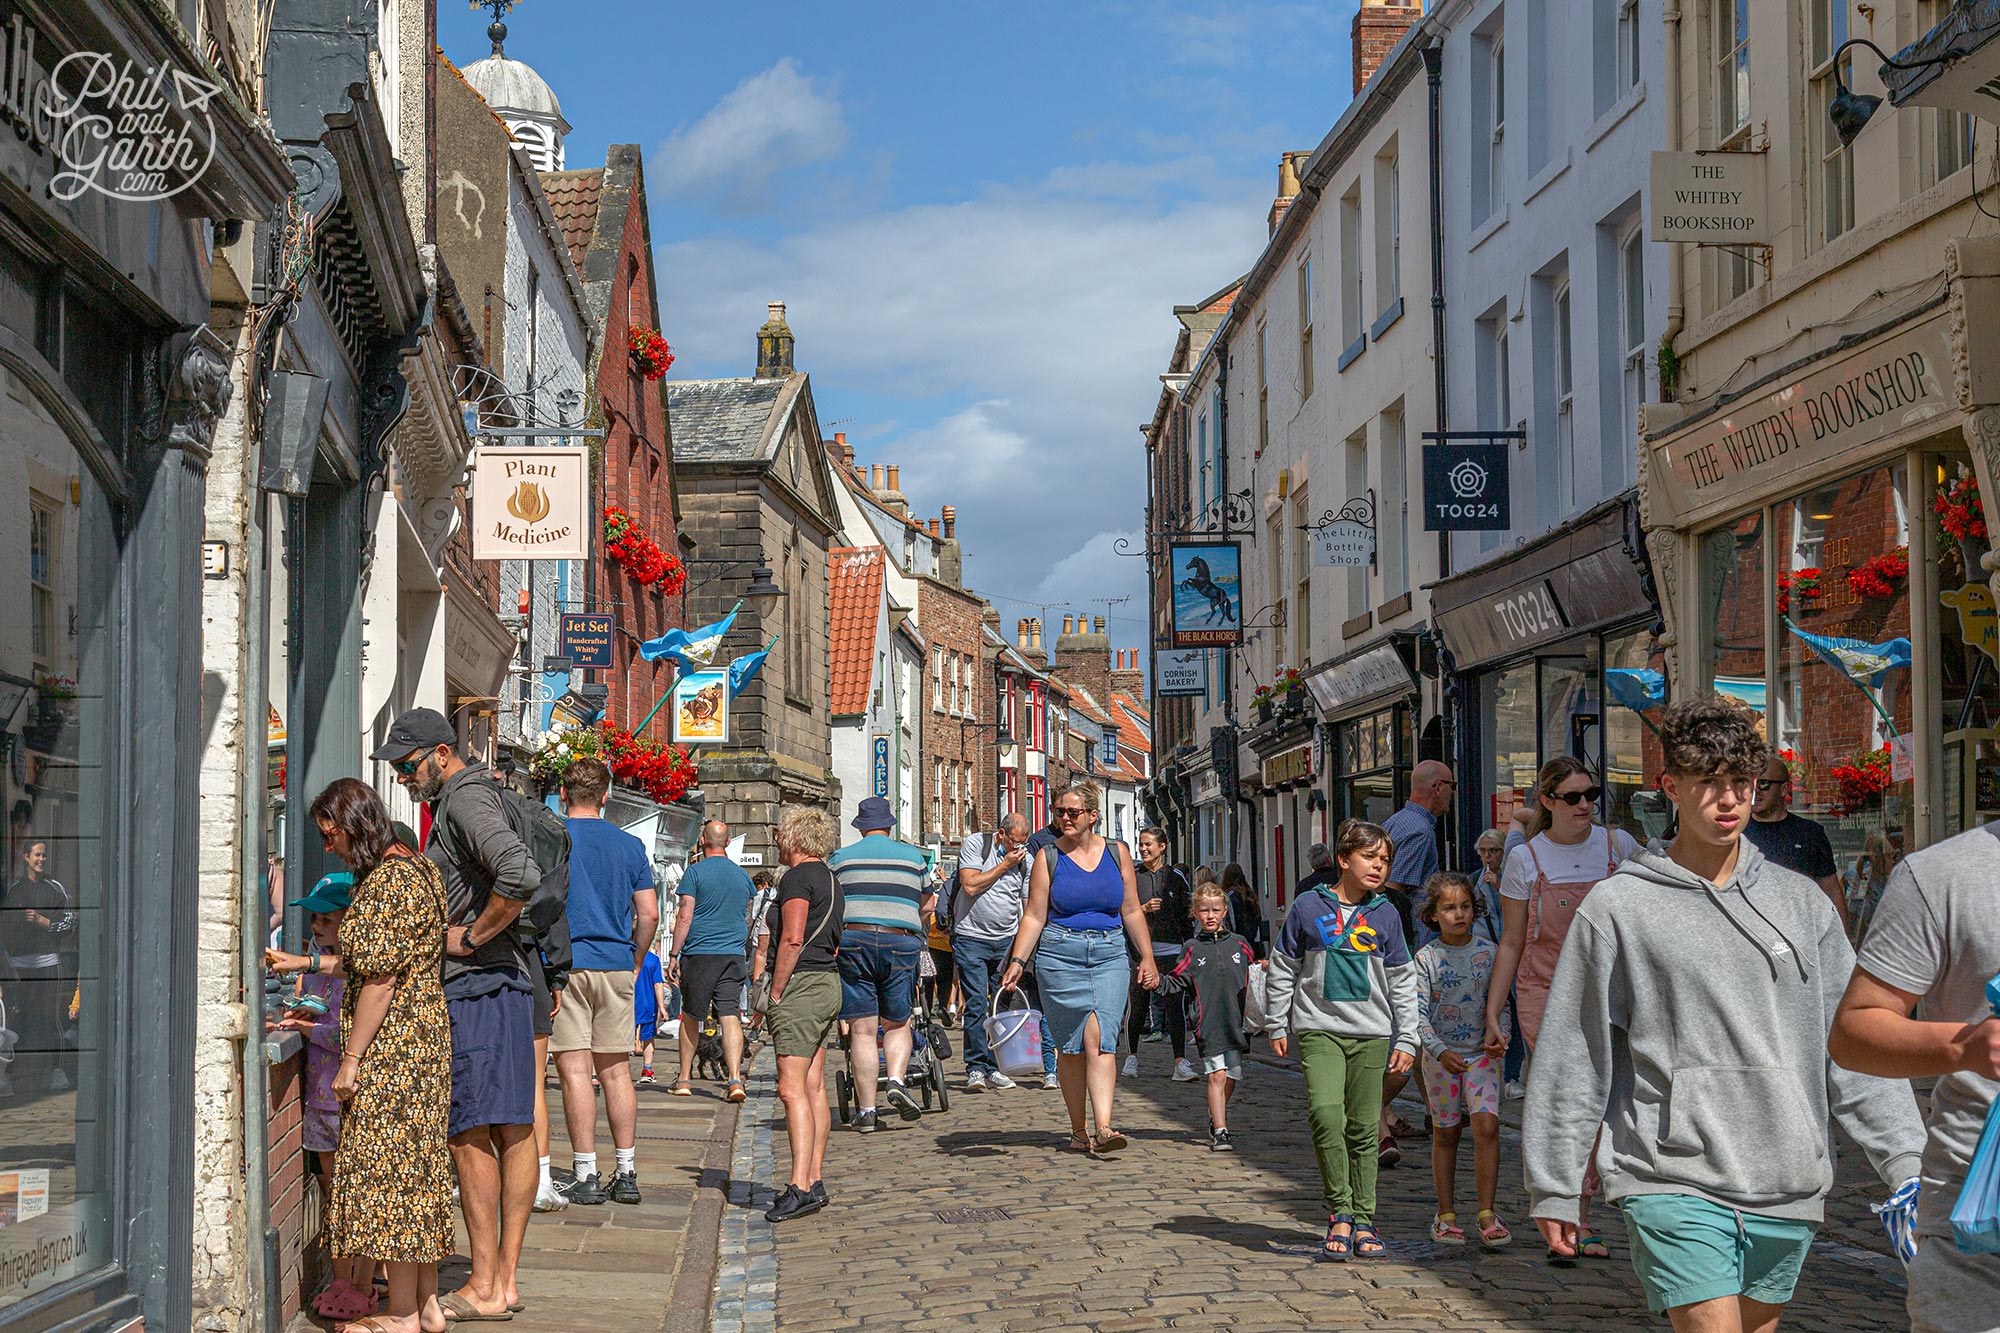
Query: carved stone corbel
186	388
1982	434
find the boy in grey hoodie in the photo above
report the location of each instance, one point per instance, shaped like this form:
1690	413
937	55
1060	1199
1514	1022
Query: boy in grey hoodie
1688	1017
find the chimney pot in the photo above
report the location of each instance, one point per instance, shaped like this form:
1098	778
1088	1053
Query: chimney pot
895	482
1097	626
840	437
875	477
1035	628
950	520
1069	625
934	527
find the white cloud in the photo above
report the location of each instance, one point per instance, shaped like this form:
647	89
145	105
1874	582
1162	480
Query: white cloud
1018	338
769	124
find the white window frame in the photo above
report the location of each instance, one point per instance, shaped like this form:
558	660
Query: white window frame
45	581
1731	33
1565	388
1627	38
1305	279
1263	390
1496	113
1831	198
1632	335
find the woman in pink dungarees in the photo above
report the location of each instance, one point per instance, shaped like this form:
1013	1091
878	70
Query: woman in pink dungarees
1541	887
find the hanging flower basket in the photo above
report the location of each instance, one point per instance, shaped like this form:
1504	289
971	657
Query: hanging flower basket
1879	577
1963	518
631	548
1803	584
1862	781
664	772
650	354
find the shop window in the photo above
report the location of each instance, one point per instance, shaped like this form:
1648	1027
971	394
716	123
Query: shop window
59	1195
1843	579
1967	667
1733	591
1569	712
1509	739
1374	758
1635	693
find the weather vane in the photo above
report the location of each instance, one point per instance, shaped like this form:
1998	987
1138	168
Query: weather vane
496	32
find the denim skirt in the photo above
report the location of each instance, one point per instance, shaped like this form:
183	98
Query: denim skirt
1080	973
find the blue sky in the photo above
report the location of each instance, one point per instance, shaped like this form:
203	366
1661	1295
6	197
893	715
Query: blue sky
980	218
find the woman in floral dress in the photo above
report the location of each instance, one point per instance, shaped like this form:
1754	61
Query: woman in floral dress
392	1177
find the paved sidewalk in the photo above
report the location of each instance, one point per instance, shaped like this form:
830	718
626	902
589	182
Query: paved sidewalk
615	1268
1168	1234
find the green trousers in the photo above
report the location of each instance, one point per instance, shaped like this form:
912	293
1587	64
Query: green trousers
1344	1108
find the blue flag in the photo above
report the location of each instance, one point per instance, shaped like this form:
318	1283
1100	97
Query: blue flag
691	649
1636	688
1862	663
745	669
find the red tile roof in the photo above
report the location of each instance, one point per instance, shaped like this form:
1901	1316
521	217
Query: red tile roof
856	574
573	197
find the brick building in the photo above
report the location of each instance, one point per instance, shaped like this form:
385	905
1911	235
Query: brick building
604	220
757	489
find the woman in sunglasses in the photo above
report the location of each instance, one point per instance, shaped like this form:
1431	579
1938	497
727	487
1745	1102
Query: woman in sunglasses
1541	887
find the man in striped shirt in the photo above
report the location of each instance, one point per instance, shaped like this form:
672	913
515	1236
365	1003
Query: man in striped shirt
883	882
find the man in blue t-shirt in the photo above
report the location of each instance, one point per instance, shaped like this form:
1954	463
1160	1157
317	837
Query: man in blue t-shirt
613	913
709	960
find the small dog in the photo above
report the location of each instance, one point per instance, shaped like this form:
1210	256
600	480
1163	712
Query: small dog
708	1050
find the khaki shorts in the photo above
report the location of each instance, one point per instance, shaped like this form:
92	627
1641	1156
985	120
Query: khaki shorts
597	1013
803	1018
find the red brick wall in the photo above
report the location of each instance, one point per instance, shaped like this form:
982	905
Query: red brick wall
296	1206
1377	29
636	472
951	620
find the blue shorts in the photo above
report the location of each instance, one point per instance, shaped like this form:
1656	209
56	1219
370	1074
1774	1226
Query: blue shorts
1687	1250
878	975
492	1053
648	1030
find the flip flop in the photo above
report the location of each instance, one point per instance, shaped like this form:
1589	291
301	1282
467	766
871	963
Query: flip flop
458	1308
370	1324
1110	1141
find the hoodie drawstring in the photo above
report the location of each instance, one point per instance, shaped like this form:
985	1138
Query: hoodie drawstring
1744	930
1797	958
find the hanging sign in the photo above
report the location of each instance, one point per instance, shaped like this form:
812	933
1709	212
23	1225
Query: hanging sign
1179	672
530	503
1714	198
1465	487
881	748
1208	585
701	707
584	637
1343	544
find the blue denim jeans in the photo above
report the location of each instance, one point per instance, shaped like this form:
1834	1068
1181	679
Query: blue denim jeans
980	963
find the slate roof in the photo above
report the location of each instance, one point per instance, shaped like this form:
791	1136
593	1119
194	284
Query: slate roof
721	421
856	574
573	197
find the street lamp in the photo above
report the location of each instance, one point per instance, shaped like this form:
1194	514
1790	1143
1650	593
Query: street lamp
764	590
1849	111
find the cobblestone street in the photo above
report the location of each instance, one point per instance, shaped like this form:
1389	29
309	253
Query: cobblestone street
1168	1235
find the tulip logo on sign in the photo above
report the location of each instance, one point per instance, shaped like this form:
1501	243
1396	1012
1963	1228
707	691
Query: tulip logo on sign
528	504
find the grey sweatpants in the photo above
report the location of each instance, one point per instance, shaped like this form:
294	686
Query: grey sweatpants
1953	1292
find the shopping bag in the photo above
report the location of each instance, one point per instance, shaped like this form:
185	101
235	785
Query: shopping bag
1975	1218
1256	1000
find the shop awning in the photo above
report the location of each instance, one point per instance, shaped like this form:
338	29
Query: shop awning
1587	574
1964	44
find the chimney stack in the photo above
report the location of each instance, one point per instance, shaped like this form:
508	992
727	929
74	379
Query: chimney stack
1126	678
1288	187
950	520
774	344
1378	26
892	494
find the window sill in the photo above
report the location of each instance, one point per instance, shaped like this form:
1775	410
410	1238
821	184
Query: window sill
1386	320
1484	231
1548	176
1392	608
1350	628
1615	113
1354	349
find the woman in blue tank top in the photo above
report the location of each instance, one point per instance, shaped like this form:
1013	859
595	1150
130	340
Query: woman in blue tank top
1081	894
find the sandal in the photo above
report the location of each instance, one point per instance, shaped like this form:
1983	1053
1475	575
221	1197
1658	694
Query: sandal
682	1088
1109	1141
1337	1246
736	1092
1078	1141
345	1303
1366	1235
1584	1242
1445	1229
1493	1233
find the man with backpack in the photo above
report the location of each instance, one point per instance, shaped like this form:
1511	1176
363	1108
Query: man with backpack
613	913
504	867
985	910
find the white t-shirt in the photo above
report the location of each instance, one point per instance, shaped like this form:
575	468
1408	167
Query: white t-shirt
1580	863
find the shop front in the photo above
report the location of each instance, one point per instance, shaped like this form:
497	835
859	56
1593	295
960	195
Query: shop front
1554	652
1279	779
1369	700
1830	546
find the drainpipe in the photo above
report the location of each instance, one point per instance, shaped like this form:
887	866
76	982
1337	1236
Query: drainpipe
1676	259
1434	77
254	708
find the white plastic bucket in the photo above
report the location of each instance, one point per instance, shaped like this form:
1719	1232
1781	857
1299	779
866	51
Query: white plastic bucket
1015	1036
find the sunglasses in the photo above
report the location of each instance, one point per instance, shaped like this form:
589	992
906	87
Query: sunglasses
1069	812
1571	798
408	767
1765	784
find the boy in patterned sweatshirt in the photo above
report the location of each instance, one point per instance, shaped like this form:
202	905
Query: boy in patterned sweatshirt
1215	965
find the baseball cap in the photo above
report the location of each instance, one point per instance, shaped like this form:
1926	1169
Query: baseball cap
418	729
331	894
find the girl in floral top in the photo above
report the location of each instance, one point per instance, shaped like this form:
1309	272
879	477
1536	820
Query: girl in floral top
1461	1075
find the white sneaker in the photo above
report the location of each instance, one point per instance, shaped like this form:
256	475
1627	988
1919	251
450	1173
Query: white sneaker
1131	1069
549	1199
999	1082
975	1080
1515	1092
1184	1072
1050	1083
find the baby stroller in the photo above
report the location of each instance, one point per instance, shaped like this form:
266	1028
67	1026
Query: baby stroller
930	1047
